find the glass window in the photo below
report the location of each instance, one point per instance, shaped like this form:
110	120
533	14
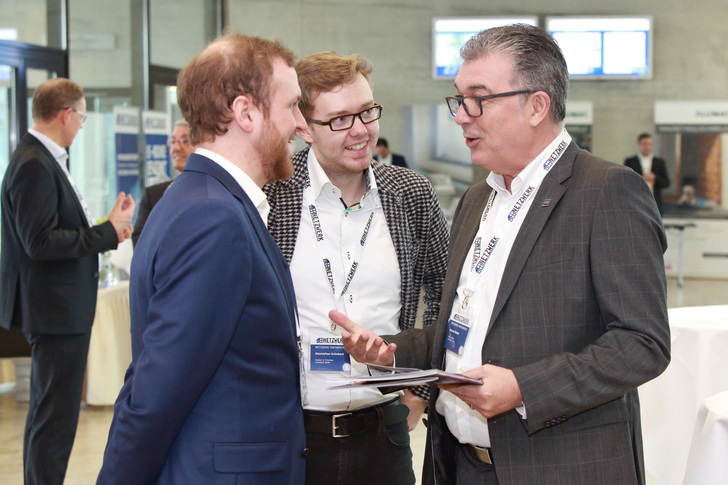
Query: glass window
177	30
7	74
100	60
24	21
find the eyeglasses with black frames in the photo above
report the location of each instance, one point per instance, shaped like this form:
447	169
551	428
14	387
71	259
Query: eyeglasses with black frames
345	122
474	104
183	142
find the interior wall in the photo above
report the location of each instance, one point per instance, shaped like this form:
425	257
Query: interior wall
690	39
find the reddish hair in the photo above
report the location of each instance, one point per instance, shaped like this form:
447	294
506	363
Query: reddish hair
231	66
324	71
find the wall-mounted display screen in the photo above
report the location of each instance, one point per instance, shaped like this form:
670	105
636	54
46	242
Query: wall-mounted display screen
449	34
605	47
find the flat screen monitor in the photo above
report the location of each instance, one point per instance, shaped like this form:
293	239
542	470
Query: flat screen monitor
605	47
449	34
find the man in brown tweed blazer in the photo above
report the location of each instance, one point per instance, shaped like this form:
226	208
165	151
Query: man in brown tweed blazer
555	295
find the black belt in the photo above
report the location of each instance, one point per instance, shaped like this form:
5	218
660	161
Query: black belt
480	454
341	425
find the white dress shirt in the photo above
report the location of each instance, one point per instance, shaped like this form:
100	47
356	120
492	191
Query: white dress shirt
61	157
251	189
372	297
645	163
502	220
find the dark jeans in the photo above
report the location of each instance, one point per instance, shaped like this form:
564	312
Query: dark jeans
372	458
471	471
56	383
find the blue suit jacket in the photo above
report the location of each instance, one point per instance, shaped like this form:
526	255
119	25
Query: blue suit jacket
212	394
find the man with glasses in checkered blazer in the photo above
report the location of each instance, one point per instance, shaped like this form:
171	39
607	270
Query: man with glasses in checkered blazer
365	238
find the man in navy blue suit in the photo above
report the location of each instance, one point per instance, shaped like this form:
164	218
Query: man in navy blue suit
213	391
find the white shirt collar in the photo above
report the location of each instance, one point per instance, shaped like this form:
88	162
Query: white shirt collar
56	150
644	159
532	173
320	181
251	189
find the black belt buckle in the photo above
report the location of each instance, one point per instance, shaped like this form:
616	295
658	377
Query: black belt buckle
335	427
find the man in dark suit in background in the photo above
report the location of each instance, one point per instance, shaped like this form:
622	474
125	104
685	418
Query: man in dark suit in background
180	149
49	272
385	156
555	294
652	169
213	391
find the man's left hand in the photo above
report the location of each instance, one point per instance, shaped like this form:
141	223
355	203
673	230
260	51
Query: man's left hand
416	406
498	393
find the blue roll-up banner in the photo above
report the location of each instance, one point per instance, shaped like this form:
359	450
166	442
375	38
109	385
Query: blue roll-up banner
126	142
155	126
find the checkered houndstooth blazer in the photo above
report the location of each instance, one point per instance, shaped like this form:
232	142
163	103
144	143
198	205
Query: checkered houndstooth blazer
416	223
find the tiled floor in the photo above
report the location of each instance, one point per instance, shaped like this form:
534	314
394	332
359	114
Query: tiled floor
94	422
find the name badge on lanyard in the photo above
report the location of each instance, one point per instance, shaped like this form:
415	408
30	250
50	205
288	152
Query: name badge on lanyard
462	317
458	328
328	355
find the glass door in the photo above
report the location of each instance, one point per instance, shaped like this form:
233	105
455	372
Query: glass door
7	108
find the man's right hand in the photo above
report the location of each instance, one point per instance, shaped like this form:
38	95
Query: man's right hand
121	215
361	343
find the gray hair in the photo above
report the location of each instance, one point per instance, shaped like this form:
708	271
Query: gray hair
538	64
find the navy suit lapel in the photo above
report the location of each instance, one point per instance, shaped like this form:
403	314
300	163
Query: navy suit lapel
203	164
546	200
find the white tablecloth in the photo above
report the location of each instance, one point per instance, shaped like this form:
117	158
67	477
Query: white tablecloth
109	352
670	403
708	460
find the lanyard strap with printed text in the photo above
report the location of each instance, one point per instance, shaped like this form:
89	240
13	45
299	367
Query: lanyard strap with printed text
324	250
482	252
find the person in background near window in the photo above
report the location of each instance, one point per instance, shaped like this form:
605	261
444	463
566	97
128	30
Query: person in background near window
652	168
49	272
180	149
555	295
367	238
385	156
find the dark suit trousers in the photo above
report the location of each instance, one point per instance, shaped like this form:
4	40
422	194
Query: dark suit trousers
56	383
472	472
371	458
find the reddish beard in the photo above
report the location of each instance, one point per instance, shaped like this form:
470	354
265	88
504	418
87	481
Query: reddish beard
272	147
